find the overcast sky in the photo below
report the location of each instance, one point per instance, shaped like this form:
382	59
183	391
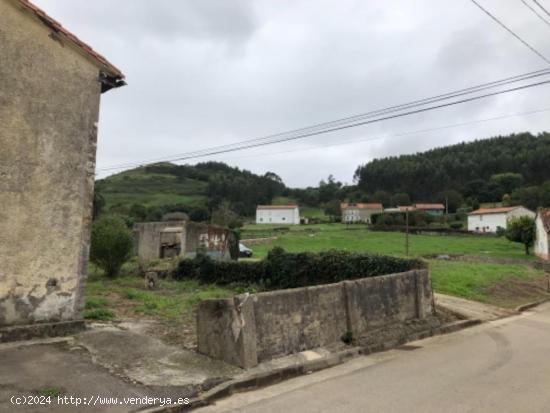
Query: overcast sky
207	72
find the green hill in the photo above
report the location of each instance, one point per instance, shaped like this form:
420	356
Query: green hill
149	191
141	186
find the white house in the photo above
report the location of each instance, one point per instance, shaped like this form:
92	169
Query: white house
542	243
278	214
491	219
357	212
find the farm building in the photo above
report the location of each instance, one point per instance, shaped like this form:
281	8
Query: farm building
431	209
354	213
491	219
168	239
278	214
50	88
542	242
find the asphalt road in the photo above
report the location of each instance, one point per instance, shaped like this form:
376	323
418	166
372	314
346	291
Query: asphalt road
501	366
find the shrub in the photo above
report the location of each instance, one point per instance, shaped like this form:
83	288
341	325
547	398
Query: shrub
289	270
523	230
456	225
111	244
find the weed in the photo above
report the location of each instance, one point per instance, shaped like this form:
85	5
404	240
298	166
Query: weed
99	314
50	392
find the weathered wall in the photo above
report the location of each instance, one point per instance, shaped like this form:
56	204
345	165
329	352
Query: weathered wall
147	238
289	321
376	301
212	239
49	102
542	246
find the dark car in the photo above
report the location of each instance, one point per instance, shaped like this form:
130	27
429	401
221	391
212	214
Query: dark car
244	251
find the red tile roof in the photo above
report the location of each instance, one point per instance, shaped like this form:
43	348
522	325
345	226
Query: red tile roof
59	29
545	218
345	205
502	210
290	206
406	208
429	206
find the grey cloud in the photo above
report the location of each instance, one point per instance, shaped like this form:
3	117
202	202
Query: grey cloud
209	72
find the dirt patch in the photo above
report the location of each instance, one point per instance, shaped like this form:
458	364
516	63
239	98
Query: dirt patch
179	331
512	291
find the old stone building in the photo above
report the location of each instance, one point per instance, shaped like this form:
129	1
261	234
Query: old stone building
50	87
168	239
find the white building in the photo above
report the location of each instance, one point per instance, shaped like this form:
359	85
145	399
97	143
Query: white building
278	214
491	219
542	242
357	212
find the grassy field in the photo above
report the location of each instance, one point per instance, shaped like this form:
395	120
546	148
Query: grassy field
357	238
506	285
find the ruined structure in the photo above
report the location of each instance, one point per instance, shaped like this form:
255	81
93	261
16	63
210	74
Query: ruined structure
167	239
50	87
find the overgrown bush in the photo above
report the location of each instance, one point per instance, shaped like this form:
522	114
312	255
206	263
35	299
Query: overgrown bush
111	244
456	225
289	270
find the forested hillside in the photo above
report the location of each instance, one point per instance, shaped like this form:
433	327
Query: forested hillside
515	167
148	192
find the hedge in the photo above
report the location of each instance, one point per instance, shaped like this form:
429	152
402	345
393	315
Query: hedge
289	270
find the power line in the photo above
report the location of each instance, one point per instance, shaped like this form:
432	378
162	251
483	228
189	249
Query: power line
541	7
536	12
338	122
398	135
511	32
216	151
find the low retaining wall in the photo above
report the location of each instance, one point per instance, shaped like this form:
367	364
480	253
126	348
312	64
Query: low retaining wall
249	329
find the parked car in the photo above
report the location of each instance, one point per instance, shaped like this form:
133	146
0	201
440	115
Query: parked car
244	251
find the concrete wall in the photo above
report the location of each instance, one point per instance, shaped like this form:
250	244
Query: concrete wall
262	326
49	103
542	246
147	238
290	216
289	321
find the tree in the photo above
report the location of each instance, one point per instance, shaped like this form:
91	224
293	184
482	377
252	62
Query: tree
400	199
508	181
528	197
329	190
383	197
226	217
522	230
199	214
452	199
138	211
333	210
111	244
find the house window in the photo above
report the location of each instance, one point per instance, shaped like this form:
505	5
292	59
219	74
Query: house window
261	220
284	218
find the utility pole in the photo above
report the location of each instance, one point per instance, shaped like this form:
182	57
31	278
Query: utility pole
446	205
407	231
